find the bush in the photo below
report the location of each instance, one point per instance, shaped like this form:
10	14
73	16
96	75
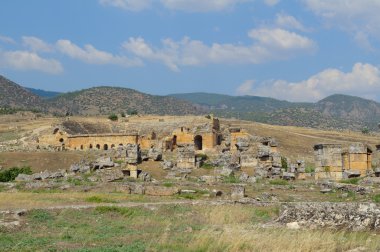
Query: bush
365	131
352	181
376	198
122	114
98	199
12	173
284	163
132	112
113	117
231	179
309	169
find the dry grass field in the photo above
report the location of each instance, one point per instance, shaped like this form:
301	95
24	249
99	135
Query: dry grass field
173	228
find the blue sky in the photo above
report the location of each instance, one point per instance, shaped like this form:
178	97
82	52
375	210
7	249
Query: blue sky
297	50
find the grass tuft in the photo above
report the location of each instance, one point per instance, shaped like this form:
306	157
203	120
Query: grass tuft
98	199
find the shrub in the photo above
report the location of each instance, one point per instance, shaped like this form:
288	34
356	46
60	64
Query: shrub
113	117
207	166
353	181
376	198
284	163
231	179
168	184
365	131
12	173
98	199
122	114
40	215
309	169
132	112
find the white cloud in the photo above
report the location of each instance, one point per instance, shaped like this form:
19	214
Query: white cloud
269	44
36	44
24	60
290	22
361	18
245	88
182	5
363	80
89	54
271	2
131	5
7	40
201	5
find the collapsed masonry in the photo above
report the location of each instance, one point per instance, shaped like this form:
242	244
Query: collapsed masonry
230	148
332	161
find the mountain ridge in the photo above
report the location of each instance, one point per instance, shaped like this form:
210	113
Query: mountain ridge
335	111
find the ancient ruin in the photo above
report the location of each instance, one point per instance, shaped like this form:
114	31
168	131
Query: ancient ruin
332	161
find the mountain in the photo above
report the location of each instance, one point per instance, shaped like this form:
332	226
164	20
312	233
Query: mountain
336	111
106	100
15	96
43	93
333	112
238	103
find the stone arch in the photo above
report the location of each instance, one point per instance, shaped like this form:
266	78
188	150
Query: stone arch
153	136
219	140
105	147
174	140
98	146
112	146
90	146
198	142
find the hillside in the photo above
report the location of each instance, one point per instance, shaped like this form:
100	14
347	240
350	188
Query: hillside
237	103
14	96
335	112
43	93
106	100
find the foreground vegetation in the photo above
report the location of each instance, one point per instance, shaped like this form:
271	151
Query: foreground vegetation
172	228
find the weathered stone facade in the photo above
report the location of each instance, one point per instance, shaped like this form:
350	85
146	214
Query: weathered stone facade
332	162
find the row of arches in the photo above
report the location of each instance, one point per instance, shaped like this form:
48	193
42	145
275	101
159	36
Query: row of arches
100	147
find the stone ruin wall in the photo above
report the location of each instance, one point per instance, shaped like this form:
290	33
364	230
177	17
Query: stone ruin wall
86	141
332	162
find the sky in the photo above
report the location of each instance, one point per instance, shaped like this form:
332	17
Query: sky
295	50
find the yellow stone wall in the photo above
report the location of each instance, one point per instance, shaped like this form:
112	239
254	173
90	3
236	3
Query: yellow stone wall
53	139
147	143
357	162
235	136
209	140
77	142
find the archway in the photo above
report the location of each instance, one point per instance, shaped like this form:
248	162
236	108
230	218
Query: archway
98	146
112	146
81	147
174	140
105	147
198	142
90	146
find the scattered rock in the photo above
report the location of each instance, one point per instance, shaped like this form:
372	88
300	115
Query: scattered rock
237	192
293	225
161	191
326	190
353	216
24	177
